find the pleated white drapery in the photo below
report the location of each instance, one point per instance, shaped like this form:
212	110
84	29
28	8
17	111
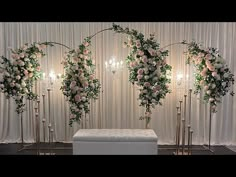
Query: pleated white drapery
117	106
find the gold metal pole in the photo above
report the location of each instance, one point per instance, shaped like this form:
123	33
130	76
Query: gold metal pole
191	141
189	115
209	145
44	118
177	131
183	125
189	120
65	120
36	129
21	121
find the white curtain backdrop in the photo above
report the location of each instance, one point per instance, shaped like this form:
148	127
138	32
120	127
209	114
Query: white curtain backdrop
117	106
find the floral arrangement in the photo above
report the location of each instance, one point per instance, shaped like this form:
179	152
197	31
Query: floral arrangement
147	68
212	74
20	71
79	83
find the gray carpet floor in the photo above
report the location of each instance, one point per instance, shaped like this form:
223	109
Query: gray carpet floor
66	149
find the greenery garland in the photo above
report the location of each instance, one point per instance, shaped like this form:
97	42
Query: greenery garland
148	68
212	75
20	72
79	82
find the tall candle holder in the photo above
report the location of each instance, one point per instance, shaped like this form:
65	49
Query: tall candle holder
183	127
44	119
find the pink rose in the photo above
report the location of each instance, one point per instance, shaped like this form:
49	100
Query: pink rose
206	88
72	116
208	56
148	114
138	44
208	63
144	59
85	57
77	98
75	59
85	84
139	76
203	73
39	55
140	52
22	55
30	75
140	71
202	82
81	55
158	87
214	74
86	44
26	72
147	84
91	77
86	51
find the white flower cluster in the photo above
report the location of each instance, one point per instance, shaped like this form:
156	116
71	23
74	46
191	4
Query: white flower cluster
79	83
213	75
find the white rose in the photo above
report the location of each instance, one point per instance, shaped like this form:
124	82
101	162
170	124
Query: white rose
218	66
213	86
22	63
33	56
23	84
26	90
73	91
223	84
26	59
146	77
81	106
92	85
6	74
86	104
208	92
83	99
18	97
76	88
18	77
145	69
155	79
12	84
154	94
226	75
15	68
211	99
17	85
9	80
144	101
154	101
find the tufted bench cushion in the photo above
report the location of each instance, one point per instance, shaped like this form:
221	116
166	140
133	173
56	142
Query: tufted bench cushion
115	141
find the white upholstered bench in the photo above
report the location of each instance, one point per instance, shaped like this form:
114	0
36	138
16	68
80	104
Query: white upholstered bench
115	142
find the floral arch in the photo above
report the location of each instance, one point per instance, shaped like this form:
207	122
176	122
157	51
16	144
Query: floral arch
146	63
